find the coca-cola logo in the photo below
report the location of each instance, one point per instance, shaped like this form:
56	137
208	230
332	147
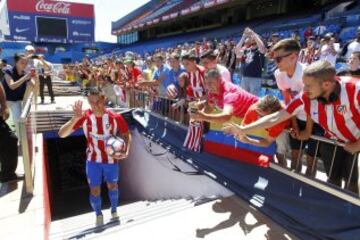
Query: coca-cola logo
53	7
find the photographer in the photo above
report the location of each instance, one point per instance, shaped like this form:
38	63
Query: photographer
44	70
15	84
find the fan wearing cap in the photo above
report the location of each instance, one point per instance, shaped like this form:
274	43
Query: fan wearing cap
327	50
32	57
351	46
134	73
32	66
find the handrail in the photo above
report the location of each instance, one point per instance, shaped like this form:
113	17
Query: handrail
327	140
27	106
26	152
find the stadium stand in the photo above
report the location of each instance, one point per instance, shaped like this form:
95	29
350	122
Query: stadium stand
341	24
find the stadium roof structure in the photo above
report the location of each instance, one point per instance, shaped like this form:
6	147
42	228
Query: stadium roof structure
157	11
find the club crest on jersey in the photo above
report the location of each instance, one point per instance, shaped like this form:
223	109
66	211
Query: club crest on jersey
341	109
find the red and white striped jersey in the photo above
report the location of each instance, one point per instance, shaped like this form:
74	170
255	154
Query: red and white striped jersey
340	118
197	82
97	130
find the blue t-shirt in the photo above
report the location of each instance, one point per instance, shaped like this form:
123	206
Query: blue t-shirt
17	94
163	71
174	75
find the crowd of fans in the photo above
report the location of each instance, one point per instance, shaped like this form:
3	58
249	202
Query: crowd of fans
229	76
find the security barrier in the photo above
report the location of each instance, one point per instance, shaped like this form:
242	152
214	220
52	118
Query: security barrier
177	111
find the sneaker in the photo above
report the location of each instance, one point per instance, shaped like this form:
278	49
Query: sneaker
114	216
53	102
99	221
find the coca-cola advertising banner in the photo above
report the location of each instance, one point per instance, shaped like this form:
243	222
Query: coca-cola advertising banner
56	8
51	21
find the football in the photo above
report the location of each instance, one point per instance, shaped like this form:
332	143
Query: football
115	146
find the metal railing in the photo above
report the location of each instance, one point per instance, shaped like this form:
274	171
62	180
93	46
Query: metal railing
27	133
165	108
174	109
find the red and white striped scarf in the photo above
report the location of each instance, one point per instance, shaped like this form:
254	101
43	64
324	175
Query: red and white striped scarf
194	136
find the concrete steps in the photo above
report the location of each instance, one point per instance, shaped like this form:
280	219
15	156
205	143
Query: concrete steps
131	215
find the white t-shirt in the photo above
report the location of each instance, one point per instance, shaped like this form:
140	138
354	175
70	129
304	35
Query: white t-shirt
225	73
294	84
352	47
326	55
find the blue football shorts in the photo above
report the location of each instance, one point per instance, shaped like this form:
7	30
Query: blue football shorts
96	172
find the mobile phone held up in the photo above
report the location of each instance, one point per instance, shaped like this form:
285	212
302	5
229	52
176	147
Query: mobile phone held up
193	110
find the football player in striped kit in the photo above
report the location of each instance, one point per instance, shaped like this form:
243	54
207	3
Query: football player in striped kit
99	124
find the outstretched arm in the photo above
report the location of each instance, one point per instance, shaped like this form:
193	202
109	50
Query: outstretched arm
221	117
263	123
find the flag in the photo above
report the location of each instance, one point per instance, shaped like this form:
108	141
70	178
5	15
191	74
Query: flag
194	136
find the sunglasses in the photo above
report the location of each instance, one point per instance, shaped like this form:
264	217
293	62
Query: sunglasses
280	58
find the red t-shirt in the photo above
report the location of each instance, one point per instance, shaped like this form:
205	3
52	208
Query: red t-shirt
231	94
251	116
135	73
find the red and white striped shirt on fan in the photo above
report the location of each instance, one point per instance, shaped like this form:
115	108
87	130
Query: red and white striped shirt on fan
339	118
97	130
197	82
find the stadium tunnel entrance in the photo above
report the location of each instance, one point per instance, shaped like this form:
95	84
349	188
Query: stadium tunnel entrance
150	173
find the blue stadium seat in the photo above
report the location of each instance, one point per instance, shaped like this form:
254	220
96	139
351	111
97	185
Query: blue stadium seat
348	33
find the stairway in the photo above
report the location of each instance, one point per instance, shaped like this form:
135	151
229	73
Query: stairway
131	215
177	219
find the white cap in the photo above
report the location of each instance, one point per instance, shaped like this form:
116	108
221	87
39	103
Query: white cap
29	48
